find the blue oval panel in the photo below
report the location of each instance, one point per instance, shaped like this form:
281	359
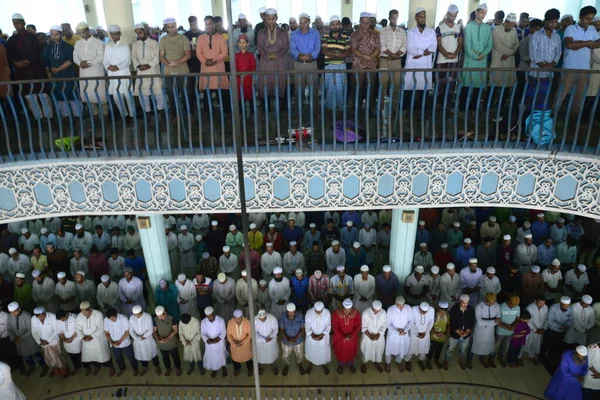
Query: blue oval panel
489	183
351	186
526	185
77	192
316	187
212	190
43	194
385	186
566	188
177	190
143	191
420	184
454	184
7	199
281	188
250	189
110	192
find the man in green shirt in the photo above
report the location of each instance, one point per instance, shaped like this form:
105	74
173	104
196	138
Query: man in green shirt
165	334
174	53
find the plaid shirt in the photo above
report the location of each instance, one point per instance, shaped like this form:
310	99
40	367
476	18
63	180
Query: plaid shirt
318	288
393	41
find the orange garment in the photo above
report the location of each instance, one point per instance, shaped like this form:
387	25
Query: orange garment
212	49
243	352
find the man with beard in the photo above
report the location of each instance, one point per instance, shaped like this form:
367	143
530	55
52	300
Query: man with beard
335	47
450	44
174	52
261	25
273	45
193	63
144	56
244	29
293	23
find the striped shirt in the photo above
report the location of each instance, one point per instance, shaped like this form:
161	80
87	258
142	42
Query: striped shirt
337	45
543	49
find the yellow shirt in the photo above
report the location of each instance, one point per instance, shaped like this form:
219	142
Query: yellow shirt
226	36
73	40
255	240
39	263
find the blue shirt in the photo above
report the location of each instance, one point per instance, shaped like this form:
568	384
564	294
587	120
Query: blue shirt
291	327
544	49
300	291
354	217
386	287
305	43
463	256
293	235
46	240
309	238
349	237
558	317
422	236
579	59
137	265
540	231
558	235
575	230
508	316
545	255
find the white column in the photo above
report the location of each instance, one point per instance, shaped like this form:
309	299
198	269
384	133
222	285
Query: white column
120	12
402	243
156	252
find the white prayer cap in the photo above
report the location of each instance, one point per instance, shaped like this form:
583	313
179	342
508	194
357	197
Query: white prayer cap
85	305
347	303
78	227
160	310
262	10
528	236
61	275
299	272
206	255
232	227
492	218
262	282
340	268
39	310
290	307
304	15
271	11
422	223
162	283
402	25
43	231
453	9
214	223
293	243
271	225
587	299
242	16
221	278
99	28
318	17
512	218
81	26
443	304
335	243
349	223
253	226
435	269
450	266
312	225
105	278
13	306
365	14
400	300
419	269
387	268
334	18
424	306
581	350
561	220
444	246
376	305
181	277
237	313
24	231
472	261
319	306
18	16
555	262
20	275
473	223
422	244
293	19
535	269
277	270
114	28
198	238
581	268
356	245
138	26
136	309
490	270
562	18
565	300
35	273
261	313
482	7
169	20
464	297
269	245
318	274
527	224
226	249
80	273
419	10
183	228
456	224
364	268
506	237
540	215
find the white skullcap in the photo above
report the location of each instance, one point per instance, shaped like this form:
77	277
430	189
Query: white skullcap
169	20
482	7
340	268
81	26
587	299
402	25
221	277
334	18
35	273
349	223
226	249
198	238
528	236
14	305
540	215
43	231
527	224
214	223
136	309
271	11
556	262
422	244
512	218
419	10
99	28
506	237
181	277
492	219
293	19
277	270
356	245
365	14
490	270
24	231
422	223
387	268
78	227
581	268
39	310
561	220
262	282
535	269
472	261
262	10
293	243
435	269
453	8
318	274
17	16
312	225
20	275
162	283
61	275
114	28
400	300
261	313
424	306
237	313
183	228
244	272
347	303
160	310
456	224
206	255
467	240
444	245
299	272
318	17
464	298
271	225
232	227
565	300
138	26
562	18
450	266
376	305
319	306
269	245
581	350
105	278
209	310
85	305
443	304
335	243
290	307
364	268
419	269
303	15
473	223
242	16
80	273
253	226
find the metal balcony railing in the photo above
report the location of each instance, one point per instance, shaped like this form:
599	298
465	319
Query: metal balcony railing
425	391
52	119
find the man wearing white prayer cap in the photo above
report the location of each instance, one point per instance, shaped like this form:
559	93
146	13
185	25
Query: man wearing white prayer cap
560	319
17	262
584	319
279	291
175	51
186	296
370	45
400	322
416	286
420	56
346	324
576	282
387	286
505	36
270	260
480	48
423	257
244	29
144	56
42	291
107	295
334	256
462	323
243	287
439	334
292	327
318	328
273	45
526	253
372	345
224	296
341	287
117	59
165	326
45	333
18	325
235	240
228	263
305	45
364	289
95	350
267	328
423	317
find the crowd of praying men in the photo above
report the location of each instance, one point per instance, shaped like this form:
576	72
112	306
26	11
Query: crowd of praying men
500	283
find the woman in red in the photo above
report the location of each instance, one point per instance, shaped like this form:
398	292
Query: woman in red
346	322
244	62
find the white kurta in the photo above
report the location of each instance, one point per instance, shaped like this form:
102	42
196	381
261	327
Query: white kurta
80	264
97	349
395	343
279	291
230	266
267	352
268	262
141	329
488	285
64	292
186	297
173	251
215	355
190	337
131	291
367	240
291	262
68	329
539	320
116	267
8	390
85	243
484	339
118	55
264	300
108	296
422	323
45	330
589	382
416	43
200	224
224	297
317	352
241	294
363	289
43	294
91	51
583	320
187	257
372	350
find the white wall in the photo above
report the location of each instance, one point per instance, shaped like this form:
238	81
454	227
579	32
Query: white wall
42	14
